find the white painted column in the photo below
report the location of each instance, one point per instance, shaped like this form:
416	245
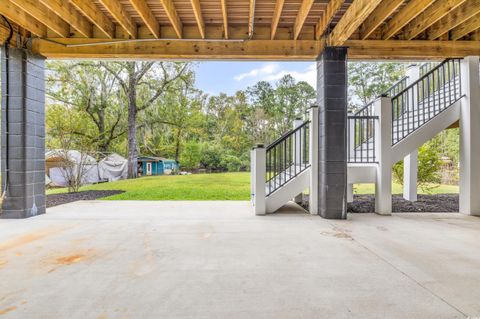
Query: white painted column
470	137
349	193
410	162
313	159
383	138
298	155
258	171
351	153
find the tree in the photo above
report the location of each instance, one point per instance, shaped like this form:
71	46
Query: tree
142	84
367	80
88	89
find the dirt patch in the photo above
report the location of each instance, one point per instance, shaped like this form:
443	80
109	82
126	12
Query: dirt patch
6	310
439	203
59	199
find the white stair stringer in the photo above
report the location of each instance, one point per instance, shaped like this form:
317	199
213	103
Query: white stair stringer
288	191
425	132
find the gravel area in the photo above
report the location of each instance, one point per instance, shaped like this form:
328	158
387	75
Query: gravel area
440	203
59	199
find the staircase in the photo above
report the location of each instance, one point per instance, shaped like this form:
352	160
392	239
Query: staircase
408	115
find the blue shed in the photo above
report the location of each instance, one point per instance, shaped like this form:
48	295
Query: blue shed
151	165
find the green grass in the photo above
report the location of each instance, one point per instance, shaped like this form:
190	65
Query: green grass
397	189
224	186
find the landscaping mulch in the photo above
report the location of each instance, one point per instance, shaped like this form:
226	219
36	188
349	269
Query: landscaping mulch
438	203
59	199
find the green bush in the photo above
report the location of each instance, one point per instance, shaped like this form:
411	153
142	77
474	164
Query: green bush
429	165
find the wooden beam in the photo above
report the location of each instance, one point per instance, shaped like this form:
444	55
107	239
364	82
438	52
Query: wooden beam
301	17
332	9
277	13
404	16
185	49
23	19
358	11
251	18
5	33
68	13
378	16
197	11
225	17
410	49
122	17
172	15
428	17
454	19
44	15
93	13
147	16
476	35
465	28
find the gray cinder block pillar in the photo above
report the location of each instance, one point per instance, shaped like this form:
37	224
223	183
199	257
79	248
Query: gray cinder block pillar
24	152
332	136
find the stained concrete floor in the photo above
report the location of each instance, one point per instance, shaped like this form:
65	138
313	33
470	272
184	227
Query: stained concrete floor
107	259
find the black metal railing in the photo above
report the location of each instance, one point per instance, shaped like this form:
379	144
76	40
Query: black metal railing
399	86
287	157
425	98
361	138
427	67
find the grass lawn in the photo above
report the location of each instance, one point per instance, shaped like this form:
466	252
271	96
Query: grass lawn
224	186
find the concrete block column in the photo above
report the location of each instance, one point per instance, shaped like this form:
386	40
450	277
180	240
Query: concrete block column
410	162
470	137
332	132
258	171
23	134
383	138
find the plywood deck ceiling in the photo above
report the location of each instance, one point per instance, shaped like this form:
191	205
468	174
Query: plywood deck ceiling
357	23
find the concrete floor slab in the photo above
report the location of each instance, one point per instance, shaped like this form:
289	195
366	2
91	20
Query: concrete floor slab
108	259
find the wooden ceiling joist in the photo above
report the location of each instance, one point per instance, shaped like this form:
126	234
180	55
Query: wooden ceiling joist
22	18
404	16
378	16
465	28
223	4
277	13
197	11
121	16
251	18
301	17
45	16
431	15
93	13
172	15
332	9
454	19
358	11
67	12
147	16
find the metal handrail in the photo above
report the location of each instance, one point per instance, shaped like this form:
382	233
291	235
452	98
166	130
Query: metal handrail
285	135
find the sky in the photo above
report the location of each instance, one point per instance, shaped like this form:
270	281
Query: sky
228	77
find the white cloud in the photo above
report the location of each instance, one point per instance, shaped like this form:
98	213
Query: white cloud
272	72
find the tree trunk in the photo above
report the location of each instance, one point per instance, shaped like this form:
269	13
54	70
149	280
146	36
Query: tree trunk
177	145
132	125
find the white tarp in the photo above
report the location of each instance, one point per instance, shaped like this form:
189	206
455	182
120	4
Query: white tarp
113	168
83	164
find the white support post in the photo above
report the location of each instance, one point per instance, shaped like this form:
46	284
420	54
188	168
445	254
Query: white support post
313	159
349	193
470	137
410	162
258	172
383	139
297	151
